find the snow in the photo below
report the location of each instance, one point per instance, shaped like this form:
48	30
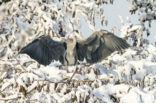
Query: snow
124	77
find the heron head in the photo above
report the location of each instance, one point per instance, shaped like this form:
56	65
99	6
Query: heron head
73	38
78	35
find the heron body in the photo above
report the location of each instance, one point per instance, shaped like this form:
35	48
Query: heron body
95	48
71	56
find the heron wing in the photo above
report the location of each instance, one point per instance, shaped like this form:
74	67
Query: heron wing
44	50
100	45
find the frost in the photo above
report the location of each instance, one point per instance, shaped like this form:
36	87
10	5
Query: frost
126	77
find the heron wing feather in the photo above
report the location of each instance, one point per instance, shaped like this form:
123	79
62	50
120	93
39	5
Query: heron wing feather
44	50
100	45
115	43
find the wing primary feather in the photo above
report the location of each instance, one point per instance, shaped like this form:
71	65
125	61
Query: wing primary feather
123	43
118	43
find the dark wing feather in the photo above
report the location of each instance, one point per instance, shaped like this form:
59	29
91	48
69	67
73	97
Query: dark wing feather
44	50
114	43
99	45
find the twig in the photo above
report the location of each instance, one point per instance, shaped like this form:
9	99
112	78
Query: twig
61	81
46	79
72	75
10	98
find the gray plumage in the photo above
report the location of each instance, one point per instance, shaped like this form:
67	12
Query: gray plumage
44	50
99	45
95	48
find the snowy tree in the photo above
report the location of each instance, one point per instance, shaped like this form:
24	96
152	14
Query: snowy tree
147	13
125	77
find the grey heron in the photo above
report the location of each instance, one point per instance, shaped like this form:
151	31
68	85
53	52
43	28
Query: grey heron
94	49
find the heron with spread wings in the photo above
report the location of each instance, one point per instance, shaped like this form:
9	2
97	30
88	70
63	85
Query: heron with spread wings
95	48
